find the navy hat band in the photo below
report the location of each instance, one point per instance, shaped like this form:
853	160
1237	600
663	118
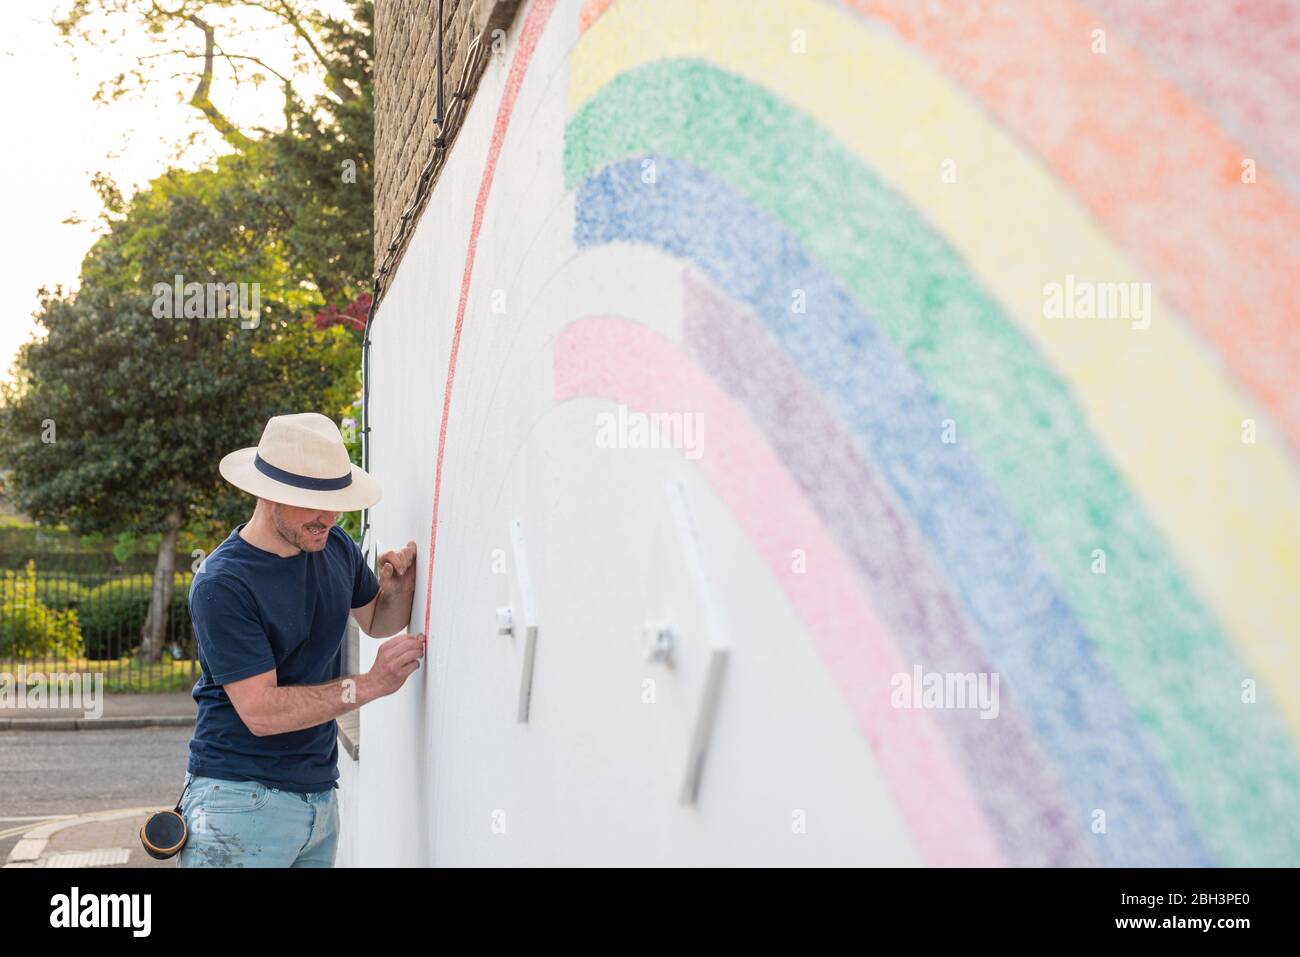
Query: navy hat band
301	481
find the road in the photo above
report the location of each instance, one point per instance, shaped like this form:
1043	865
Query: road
48	773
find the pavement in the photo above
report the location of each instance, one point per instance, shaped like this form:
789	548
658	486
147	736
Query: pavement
169	709
93	837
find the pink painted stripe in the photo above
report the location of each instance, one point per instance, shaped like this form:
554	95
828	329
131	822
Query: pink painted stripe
627	363
538	15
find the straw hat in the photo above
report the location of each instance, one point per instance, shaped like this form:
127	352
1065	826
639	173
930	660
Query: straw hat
301	460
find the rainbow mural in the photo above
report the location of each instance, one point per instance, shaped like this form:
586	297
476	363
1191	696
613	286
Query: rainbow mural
869	201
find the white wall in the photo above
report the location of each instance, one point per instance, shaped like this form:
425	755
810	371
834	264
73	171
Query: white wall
832	231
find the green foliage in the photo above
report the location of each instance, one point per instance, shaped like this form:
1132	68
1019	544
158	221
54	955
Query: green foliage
144	408
351	427
126	546
115	421
113	614
58	548
59	592
28	628
320	166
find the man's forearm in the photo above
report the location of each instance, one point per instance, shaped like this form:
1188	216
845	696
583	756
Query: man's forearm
392	613
295	707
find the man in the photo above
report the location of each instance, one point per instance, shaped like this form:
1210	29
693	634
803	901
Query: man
270	609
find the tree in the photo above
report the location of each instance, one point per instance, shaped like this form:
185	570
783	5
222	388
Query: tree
318	165
190	39
119	416
320	168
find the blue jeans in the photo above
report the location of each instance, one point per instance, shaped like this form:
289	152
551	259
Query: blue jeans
246	824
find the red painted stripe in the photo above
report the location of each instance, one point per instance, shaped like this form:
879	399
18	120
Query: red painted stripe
538	16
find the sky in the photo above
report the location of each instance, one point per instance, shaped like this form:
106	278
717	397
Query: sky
57	138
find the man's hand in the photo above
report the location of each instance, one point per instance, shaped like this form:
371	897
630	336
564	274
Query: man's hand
390	610
396	660
397	571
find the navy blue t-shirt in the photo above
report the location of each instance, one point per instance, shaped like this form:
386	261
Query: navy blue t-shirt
253	611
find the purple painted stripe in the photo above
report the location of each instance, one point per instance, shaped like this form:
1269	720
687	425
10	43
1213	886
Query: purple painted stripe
1016	783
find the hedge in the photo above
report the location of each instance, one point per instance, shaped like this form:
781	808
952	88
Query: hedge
113	614
28	627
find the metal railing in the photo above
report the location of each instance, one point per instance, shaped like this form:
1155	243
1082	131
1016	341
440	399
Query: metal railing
59	622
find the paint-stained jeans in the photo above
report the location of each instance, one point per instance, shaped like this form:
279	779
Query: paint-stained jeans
246	824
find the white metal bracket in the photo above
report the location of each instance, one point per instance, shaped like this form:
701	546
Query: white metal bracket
525	627
719	642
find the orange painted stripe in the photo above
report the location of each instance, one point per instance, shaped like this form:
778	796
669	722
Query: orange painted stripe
591	11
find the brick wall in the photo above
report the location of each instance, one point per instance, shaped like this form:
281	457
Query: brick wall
406	91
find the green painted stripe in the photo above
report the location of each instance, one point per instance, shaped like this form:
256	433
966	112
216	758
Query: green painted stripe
1233	762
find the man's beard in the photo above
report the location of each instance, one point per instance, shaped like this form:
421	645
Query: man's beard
297	535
